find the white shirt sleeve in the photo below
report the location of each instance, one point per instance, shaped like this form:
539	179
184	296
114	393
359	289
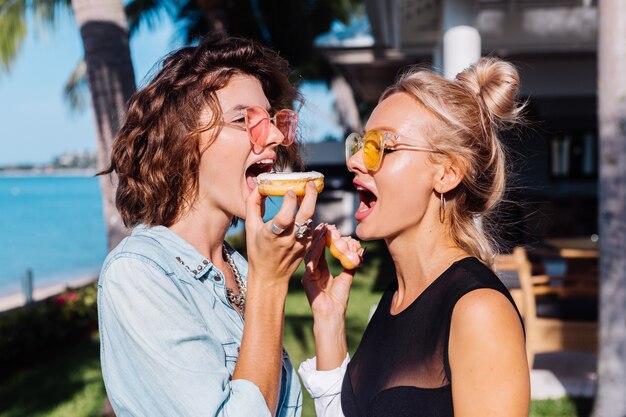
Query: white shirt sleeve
324	386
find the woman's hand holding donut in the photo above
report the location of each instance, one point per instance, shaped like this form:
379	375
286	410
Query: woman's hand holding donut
328	295
274	249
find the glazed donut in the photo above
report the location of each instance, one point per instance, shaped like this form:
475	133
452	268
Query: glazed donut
278	183
347	250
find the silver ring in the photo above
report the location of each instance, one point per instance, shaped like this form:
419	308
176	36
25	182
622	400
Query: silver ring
277	230
302	229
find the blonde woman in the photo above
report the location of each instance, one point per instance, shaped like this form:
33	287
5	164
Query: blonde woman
446	338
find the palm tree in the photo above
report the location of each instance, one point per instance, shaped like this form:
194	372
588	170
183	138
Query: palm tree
610	399
104	31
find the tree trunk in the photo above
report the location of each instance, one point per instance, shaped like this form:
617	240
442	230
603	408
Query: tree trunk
104	30
611	398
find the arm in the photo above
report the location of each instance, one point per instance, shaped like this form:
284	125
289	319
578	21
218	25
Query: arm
328	297
272	260
490	376
323	375
157	356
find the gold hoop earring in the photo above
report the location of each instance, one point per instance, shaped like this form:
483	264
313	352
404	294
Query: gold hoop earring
442	207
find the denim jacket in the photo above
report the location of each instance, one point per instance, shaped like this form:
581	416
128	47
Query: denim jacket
169	337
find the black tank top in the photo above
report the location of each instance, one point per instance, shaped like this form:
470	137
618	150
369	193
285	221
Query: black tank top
401	367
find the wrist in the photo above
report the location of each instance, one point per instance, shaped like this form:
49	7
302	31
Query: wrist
330	334
330	350
269	288
329	322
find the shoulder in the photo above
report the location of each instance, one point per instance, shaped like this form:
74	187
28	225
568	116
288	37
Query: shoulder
487	346
484	306
478	274
137	251
137	265
484	326
473	276
483	302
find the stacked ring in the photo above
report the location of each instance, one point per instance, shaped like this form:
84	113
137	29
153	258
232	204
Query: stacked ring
302	229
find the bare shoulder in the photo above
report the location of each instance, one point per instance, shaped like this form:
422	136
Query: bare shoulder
485	306
485	318
487	347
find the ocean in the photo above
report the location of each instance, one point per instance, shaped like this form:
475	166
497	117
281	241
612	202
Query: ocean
54	226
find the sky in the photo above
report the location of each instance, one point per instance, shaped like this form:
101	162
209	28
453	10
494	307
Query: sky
36	124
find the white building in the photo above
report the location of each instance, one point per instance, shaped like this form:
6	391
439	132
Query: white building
552	42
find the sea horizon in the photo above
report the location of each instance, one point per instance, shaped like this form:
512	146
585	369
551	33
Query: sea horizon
53	225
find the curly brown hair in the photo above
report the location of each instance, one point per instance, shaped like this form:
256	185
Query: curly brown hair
156	154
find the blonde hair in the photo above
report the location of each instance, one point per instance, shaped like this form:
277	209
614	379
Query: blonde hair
470	112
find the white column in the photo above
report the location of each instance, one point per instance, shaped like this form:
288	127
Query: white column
461	40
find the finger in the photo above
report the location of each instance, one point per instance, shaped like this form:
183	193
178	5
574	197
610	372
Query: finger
318	233
254	208
322	267
285	216
307	207
316	250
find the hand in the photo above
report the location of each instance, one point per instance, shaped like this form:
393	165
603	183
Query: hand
328	295
275	257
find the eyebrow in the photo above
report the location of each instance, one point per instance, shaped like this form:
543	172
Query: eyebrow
239	107
388	129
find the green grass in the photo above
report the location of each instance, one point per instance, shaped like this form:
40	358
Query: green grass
66	384
69	383
563	407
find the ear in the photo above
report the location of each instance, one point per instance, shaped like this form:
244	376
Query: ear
448	176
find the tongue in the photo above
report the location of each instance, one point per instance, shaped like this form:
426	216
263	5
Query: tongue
366	205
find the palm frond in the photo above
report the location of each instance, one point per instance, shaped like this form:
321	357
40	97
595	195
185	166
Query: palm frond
12	30
47	11
14	26
149	12
191	23
76	90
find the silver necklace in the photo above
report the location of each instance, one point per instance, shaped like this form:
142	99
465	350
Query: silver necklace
238	300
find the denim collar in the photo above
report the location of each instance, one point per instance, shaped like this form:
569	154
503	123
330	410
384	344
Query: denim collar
188	256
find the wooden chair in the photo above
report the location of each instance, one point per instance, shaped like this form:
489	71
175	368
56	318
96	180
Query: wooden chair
548	334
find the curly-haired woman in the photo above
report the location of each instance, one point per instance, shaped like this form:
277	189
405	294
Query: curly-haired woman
173	295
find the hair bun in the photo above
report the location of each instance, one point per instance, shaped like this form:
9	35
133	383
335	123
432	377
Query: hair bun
497	83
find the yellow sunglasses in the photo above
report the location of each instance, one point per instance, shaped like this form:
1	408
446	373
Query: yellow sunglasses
374	142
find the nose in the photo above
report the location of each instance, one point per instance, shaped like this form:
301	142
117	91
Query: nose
355	163
275	136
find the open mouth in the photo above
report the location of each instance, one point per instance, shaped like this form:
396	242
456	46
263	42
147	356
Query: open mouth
259	167
367	202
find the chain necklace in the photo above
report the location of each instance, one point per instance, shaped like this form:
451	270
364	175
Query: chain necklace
238	300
